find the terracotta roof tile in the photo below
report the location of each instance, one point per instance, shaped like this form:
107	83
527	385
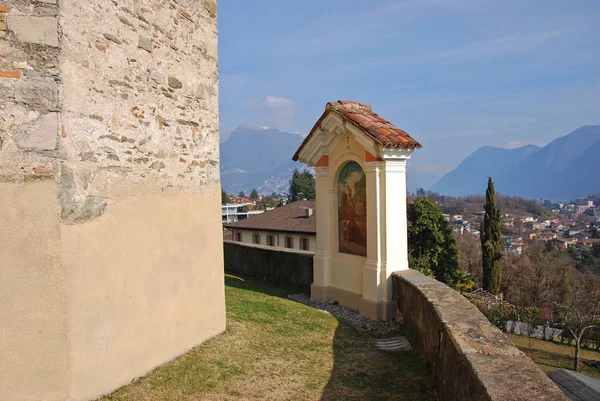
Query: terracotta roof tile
288	218
373	125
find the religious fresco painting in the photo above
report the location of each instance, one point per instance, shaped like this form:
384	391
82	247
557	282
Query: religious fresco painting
352	210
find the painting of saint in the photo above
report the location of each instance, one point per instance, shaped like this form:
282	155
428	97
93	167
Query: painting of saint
352	210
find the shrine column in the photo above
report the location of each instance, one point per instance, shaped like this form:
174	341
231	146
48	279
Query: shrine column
395	218
319	290
370	304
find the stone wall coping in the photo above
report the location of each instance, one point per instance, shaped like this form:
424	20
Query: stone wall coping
470	358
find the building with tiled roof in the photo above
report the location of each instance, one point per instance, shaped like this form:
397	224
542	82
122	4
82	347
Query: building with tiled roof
293	226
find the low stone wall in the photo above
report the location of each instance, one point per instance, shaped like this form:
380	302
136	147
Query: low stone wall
470	359
282	267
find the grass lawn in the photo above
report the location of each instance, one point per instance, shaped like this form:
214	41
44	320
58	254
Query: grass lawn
551	356
277	349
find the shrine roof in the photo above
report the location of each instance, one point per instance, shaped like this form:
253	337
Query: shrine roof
361	116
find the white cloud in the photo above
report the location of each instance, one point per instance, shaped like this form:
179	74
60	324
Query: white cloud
509	44
473	51
514	144
275	111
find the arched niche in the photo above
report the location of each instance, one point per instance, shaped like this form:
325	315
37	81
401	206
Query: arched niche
351	183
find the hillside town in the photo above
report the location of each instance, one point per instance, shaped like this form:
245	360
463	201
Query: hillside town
563	225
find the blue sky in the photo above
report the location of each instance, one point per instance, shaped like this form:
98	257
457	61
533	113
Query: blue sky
455	74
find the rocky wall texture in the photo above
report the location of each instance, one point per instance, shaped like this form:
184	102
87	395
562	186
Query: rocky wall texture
470	359
95	94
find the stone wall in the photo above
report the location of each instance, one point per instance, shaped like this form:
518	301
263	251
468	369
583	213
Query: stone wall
109	184
93	92
470	359
287	268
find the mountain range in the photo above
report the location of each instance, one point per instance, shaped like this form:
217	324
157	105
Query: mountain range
566	168
258	157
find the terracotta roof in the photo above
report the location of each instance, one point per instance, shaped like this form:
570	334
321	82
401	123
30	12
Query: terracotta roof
360	115
288	218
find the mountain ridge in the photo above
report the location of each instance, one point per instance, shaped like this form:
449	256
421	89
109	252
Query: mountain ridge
483	163
258	157
565	168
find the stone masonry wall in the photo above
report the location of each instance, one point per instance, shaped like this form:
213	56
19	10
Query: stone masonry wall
97	92
29	90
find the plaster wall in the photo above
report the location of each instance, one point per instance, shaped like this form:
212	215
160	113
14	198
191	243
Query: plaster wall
33	308
246	236
143	294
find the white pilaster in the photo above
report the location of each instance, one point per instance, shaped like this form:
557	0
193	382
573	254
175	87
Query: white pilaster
323	251
395	219
372	284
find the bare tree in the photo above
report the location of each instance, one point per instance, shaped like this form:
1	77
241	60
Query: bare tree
546	273
469	248
535	277
513	282
580	311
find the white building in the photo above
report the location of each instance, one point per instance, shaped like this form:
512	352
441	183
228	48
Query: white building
293	226
232	212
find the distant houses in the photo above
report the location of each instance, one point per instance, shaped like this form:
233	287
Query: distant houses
574	224
514	246
461	225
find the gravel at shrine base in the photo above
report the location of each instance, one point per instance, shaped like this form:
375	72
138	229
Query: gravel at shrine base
379	328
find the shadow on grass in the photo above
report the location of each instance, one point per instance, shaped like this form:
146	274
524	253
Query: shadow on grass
247	283
360	372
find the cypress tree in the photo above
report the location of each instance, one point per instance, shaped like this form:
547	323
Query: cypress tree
491	242
293	193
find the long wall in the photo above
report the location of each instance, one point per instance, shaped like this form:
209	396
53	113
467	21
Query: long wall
470	359
111	260
285	267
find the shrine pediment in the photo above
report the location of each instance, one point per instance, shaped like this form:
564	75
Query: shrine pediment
378	136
